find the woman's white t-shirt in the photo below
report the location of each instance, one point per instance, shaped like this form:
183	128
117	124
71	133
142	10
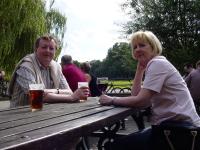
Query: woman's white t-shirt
173	100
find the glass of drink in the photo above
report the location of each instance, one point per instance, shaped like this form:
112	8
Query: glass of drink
36	92
83	85
102	84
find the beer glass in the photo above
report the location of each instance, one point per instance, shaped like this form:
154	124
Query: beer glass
83	85
36	92
102	84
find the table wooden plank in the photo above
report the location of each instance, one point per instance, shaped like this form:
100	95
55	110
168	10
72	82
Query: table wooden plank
24	125
15	114
74	128
60	111
56	124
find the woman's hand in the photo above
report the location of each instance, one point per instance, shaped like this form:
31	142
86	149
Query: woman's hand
105	100
80	92
141	66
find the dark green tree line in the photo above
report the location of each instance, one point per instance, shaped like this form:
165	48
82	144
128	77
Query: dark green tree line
117	64
175	22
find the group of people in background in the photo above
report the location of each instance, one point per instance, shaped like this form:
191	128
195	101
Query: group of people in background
163	88
74	74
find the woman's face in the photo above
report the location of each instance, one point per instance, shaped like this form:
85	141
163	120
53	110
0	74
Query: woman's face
142	51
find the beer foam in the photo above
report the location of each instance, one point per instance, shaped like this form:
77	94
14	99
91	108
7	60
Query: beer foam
36	86
82	84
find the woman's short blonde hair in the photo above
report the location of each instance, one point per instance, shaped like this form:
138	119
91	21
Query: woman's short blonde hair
149	37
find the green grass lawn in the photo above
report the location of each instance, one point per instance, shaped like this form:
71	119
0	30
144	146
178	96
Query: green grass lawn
118	85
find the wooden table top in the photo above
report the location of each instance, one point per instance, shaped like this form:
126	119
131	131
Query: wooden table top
55	123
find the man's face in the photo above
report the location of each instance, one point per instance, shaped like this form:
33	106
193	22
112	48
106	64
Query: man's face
186	69
46	52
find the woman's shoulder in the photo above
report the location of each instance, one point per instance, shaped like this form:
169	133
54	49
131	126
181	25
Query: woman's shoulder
159	63
158	60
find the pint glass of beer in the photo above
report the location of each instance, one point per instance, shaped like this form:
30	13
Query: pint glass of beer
36	92
83	85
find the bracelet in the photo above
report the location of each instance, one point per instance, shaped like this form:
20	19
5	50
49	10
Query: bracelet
58	91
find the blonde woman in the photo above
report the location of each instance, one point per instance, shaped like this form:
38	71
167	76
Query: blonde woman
163	89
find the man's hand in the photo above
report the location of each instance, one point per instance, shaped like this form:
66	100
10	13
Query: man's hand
80	92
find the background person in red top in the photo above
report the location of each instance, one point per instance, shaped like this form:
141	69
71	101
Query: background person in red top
72	73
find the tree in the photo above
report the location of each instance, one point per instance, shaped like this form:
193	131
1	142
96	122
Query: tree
118	62
96	67
55	23
175	22
22	21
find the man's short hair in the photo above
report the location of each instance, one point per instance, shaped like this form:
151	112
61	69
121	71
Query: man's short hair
46	37
66	59
85	66
198	63
188	65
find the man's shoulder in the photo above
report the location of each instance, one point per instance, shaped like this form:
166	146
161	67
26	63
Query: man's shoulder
27	65
70	67
27	61
53	62
195	72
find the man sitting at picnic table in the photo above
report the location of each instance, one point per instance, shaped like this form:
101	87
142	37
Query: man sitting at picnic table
39	67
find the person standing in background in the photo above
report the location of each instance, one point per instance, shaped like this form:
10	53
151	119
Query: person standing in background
72	73
92	80
193	83
188	68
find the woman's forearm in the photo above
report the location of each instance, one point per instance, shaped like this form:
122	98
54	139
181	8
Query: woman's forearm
136	87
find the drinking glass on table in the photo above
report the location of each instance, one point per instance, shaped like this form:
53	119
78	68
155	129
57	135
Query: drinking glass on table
83	85
36	92
102	84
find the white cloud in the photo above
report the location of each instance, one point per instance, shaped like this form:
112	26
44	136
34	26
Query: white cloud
91	28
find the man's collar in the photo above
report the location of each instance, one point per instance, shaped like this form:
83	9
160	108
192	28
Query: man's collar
39	64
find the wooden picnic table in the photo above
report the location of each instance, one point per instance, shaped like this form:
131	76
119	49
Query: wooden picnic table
55	124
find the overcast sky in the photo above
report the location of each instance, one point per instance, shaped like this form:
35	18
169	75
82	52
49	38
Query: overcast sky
91	27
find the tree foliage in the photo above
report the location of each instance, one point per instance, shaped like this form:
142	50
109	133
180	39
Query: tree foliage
22	21
117	64
55	24
175	22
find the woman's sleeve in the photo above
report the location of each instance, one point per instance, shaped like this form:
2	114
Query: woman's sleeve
155	76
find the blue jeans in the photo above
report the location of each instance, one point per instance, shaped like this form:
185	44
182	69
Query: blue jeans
136	141
155	139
